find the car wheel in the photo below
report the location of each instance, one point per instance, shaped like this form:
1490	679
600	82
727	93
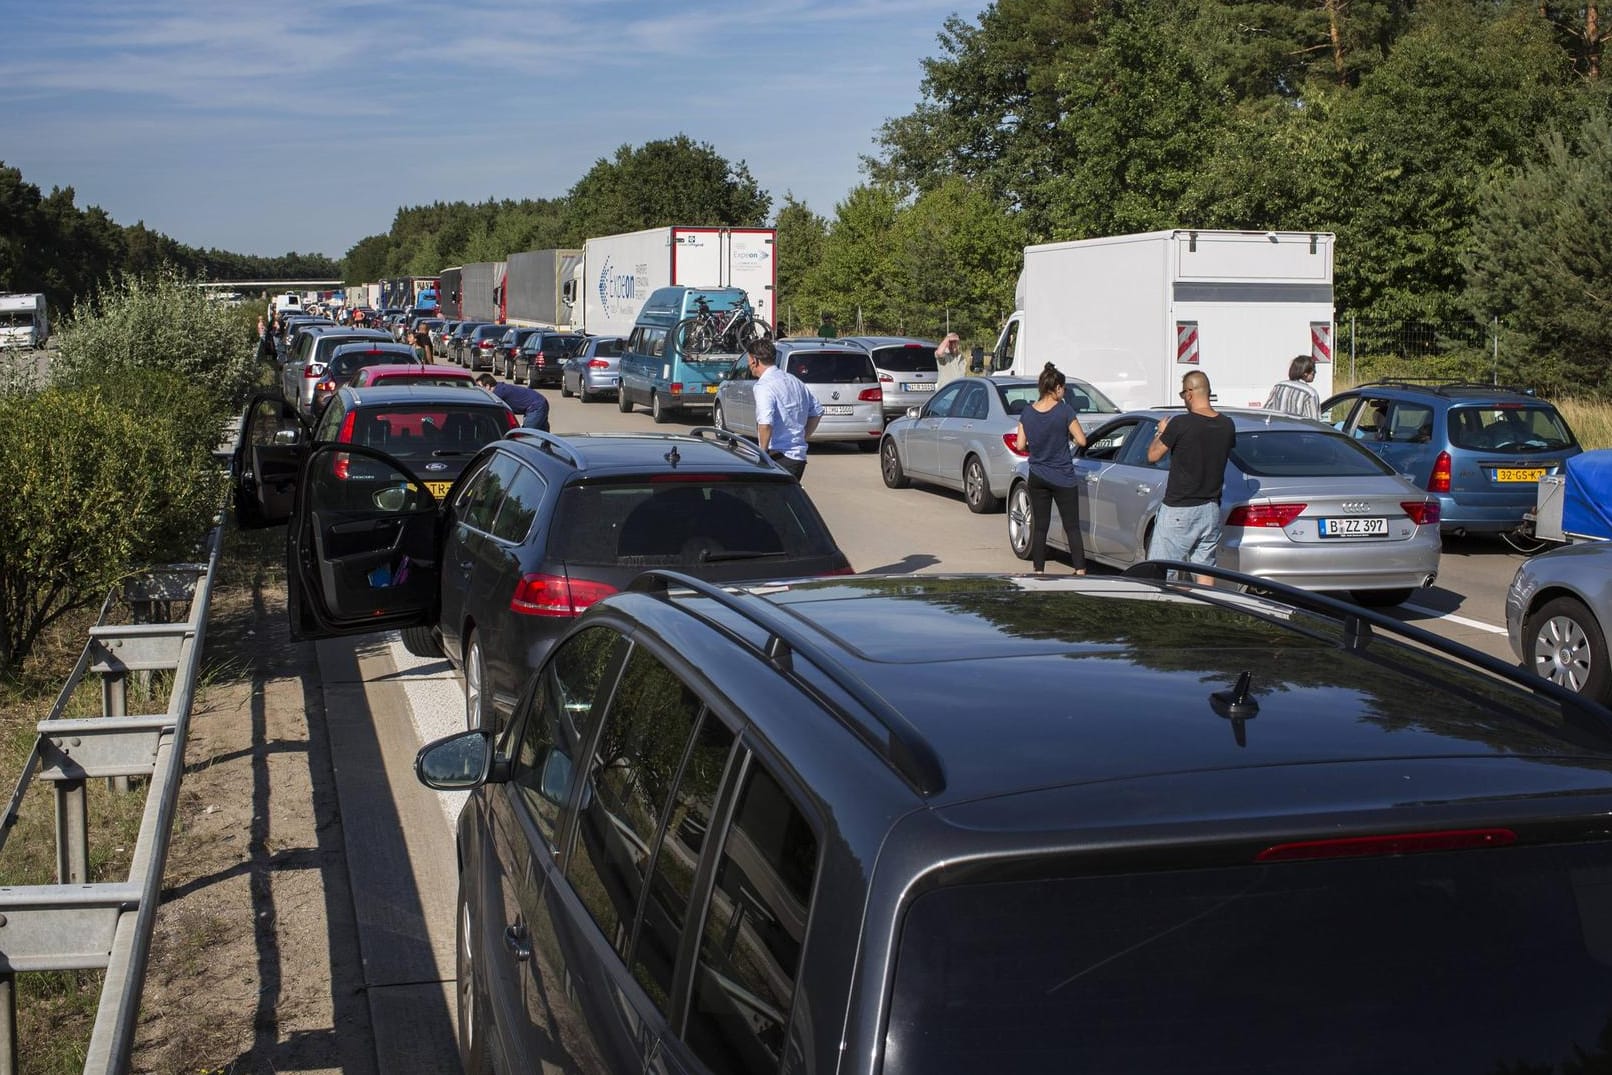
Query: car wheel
718	419
895	475
565	388
531	375
472	1017
658	409
977	488
584	395
1380	598
478	696
1020	517
421	642
623	404
1562	642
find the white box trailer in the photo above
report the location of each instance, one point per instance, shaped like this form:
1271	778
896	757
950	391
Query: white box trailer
535	286
24	321
1131	314
618	272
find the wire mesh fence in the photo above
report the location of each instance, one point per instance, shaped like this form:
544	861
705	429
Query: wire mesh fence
1376	348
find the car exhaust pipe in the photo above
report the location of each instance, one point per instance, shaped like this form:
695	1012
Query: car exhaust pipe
1429	580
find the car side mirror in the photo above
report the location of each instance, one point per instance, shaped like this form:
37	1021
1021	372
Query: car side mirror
915	412
287	437
456	763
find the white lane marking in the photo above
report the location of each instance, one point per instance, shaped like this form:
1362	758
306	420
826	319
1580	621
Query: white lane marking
1451	617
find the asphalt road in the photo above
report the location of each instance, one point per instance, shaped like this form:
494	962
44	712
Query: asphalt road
372	681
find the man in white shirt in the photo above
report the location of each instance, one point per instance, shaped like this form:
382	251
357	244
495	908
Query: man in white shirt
1296	395
786	411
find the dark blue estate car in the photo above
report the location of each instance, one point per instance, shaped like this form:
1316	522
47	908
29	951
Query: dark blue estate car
921	825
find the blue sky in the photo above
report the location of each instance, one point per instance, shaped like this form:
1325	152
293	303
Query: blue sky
297	125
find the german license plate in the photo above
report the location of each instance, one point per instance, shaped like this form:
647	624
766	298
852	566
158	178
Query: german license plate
839	410
919	386
439	489
1354	527
1519	474
710	389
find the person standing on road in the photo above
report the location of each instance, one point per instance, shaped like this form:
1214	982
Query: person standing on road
1296	395
826	328
1045	429
526	402
950	362
1198	443
786	411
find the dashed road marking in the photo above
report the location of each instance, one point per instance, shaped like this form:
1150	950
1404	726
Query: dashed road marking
1452	618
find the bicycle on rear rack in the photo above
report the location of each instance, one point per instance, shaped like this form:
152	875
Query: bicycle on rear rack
728	331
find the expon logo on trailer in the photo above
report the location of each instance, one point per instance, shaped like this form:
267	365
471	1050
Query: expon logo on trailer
619	288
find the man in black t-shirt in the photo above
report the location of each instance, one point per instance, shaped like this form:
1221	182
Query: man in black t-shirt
1198	444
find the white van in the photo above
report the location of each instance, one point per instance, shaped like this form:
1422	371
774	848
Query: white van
288	303
24	321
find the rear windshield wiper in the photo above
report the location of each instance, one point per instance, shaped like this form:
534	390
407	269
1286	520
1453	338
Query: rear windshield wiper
707	556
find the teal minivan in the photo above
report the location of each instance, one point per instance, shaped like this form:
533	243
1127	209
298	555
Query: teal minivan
654	372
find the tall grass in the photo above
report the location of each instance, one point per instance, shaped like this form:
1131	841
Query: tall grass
1591	420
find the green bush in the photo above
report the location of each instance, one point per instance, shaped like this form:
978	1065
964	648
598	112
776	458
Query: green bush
105	477
163	322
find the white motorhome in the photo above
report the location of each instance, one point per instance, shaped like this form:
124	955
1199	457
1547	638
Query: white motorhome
617	273
24	321
1132	313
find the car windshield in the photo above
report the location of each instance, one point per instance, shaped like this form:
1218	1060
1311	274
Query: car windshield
1511	428
832	367
421	431
1487	960
906	358
643	522
1303	453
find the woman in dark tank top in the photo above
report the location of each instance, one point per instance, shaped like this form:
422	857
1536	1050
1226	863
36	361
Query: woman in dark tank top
1045	429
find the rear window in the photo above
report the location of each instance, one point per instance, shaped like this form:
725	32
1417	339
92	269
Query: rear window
563	346
347	364
608	348
1275	453
419	431
688	523
1519	428
422	378
1492	960
904	359
831	367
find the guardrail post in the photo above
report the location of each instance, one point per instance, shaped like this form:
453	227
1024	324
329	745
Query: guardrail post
115	703
72	833
8	1021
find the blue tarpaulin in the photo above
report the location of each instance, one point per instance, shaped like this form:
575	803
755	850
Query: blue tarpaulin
1587	497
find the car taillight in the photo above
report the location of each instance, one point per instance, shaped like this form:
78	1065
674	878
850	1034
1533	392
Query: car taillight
1439	480
1409	843
1274	515
309	372
509	416
538	358
885	378
346	434
1011	441
1422	512
341	466
326	386
675	388
871	395
556	595
598	364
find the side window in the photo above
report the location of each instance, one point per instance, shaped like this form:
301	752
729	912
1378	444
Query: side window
477	505
1108	446
330	421
1410	423
1134	453
744	982
520	506
629	782
945	400
560	722
971	402
671	882
655	342
1337	414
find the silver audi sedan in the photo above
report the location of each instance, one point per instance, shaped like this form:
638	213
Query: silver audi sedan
963	437
1302	504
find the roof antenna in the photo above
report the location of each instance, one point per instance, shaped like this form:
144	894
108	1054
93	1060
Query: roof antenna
1237	706
672	458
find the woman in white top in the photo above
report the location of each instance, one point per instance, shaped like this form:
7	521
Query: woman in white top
1296	395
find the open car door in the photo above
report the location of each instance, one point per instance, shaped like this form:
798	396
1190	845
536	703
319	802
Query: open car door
264	470
363	549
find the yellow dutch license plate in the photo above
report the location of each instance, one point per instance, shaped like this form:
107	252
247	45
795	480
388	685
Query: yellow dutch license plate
1518	474
710	389
439	489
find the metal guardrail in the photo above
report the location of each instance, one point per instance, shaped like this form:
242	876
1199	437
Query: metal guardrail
77	924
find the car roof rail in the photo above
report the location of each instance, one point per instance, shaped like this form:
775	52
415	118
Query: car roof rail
1480	386
1439	385
1358	624
558	447
892	736
733	442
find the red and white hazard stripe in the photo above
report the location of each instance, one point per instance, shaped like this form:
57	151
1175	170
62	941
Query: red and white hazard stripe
1321	341
1186	342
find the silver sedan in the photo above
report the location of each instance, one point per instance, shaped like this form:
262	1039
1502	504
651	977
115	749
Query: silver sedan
594	371
1302	504
963	437
1557	613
